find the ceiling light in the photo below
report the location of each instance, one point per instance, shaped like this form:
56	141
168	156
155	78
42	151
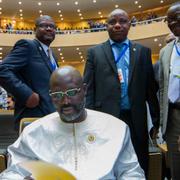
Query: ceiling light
41	15
62	19
78	10
0	57
99	12
40	11
21	17
161	1
19	2
116	6
59	49
1	48
0	8
80	53
94	1
139	6
0	53
39	3
160	44
76	3
155	39
135	2
0	1
82	60
81	17
59	11
77	49
63	61
101	16
21	14
58	4
62	57
80	14
61	54
0	12
81	57
60	15
20	10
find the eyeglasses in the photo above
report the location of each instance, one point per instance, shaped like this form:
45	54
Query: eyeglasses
60	94
45	26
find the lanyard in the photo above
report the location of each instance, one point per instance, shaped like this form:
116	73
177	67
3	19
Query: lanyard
122	53
178	52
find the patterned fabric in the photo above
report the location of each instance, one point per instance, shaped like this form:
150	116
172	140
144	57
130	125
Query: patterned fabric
3	99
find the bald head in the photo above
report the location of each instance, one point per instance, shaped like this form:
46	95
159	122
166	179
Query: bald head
42	18
66	73
68	94
118	11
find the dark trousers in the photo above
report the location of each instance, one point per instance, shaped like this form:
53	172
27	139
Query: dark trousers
172	134
140	149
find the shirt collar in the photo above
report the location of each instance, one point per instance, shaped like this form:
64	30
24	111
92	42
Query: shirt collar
126	41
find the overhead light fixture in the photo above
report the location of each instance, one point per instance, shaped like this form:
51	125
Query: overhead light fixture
139	6
0	53
94	1
99	12
80	14
40	11
1	48
76	3
60	15
155	39
20	10
59	11
81	17
0	8
77	49
39	3
101	16
78	10
161	1
160	44
62	19
80	53
0	12
59	49
19	2
62	57
135	2
21	14
58	3
116	6
21	18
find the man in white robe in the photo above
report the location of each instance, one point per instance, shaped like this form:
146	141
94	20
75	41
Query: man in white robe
89	144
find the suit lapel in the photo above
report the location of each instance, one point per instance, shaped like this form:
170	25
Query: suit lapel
109	54
167	57
43	54
132	59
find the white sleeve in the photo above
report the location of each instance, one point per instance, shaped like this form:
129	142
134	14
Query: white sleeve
127	165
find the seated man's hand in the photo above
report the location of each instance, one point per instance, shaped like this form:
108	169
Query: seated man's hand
154	133
33	100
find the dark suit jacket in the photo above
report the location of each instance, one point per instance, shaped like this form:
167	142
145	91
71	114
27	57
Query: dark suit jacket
25	70
104	92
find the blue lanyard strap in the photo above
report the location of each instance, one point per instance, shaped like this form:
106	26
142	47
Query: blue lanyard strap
177	50
122	53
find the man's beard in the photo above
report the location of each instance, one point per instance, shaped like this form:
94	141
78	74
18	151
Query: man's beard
79	109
